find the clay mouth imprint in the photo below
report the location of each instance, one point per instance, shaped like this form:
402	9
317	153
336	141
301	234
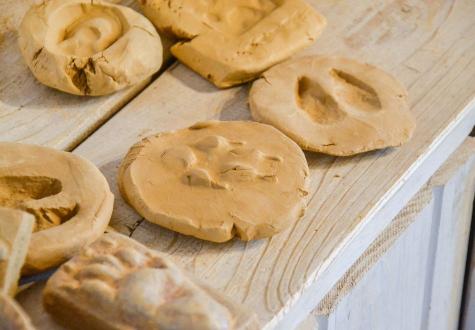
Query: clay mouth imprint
35	195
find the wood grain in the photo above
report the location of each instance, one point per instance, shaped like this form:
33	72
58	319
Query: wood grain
429	46
33	113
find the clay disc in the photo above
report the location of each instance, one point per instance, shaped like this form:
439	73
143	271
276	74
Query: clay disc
68	195
216	180
333	105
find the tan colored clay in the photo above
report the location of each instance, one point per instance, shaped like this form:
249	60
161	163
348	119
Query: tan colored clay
216	180
15	233
68	195
117	283
333	105
12	317
230	42
87	47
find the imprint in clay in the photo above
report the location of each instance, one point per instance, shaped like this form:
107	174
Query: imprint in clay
253	175
230	42
117	283
337	106
68	196
23	192
15	233
88	47
12	316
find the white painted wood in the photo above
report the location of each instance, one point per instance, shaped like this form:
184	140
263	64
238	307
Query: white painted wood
468	315
353	199
417	283
391	295
456	200
33	113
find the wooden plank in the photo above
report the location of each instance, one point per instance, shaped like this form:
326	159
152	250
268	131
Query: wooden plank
33	113
428	46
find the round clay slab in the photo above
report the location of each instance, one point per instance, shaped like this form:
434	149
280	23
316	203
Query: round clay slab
88	47
216	180
68	195
333	105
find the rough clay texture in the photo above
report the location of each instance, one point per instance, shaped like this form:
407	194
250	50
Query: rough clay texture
230	42
88	47
12	317
15	233
117	283
68	195
333	105
216	180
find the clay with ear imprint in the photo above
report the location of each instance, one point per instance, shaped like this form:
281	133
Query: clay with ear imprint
88	47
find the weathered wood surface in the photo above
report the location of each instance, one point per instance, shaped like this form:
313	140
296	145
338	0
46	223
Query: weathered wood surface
429	46
33	113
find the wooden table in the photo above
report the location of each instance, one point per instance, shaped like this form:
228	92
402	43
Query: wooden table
428	45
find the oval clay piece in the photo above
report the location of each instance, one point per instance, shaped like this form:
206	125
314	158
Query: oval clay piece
67	194
333	105
216	180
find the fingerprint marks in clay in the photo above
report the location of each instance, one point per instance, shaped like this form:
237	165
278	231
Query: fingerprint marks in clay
40	196
226	161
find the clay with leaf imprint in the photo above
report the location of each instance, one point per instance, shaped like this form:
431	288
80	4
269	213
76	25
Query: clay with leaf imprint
230	42
68	195
88	47
333	105
216	180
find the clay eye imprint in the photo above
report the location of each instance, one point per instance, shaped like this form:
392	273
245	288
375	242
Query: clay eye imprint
319	105
36	195
354	91
88	29
179	157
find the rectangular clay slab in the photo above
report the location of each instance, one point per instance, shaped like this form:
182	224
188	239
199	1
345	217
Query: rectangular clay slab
15	233
117	283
